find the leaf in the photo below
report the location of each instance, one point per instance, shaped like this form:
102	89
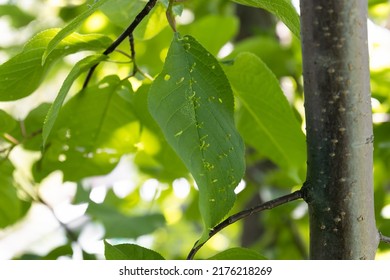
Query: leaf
266	120
156	158
207	31
93	130
122	12
10	205
21	75
118	225
80	67
7	123
64	250
281	8
152	24
31	138
70	28
238	254
282	61
129	252
192	102
19	18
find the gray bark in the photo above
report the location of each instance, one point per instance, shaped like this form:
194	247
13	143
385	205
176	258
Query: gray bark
339	186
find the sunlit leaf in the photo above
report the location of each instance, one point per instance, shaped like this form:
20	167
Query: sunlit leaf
207	31
80	67
70	28
152	24
281	8
19	18
129	252
10	205
119	225
192	102
93	130
22	74
29	132
266	120
122	12
7	122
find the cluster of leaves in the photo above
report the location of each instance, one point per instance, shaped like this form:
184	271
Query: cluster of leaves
211	120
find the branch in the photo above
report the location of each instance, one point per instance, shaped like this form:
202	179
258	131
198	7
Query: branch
243	214
384	239
128	33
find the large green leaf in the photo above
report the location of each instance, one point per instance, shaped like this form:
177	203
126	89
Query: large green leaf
10	205
192	102
129	252
281	8
266	120
80	67
118	225
70	28
23	73
93	130
238	254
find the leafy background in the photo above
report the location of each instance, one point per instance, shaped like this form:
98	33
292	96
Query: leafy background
106	171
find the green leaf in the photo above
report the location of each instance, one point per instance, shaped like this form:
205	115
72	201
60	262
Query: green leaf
266	120
122	12
152	24
281	8
93	130
118	225
21	75
238	254
10	205
207	31
70	28
282	61
156	158
80	67
19	18
192	102
7	123
31	135
129	252
64	250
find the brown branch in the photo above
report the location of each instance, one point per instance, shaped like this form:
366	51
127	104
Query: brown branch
243	214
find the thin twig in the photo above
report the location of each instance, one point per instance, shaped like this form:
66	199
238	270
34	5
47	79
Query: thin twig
126	34
383	238
243	214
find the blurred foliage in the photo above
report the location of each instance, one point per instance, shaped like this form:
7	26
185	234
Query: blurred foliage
108	127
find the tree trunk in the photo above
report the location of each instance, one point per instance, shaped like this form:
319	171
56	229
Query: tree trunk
339	186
